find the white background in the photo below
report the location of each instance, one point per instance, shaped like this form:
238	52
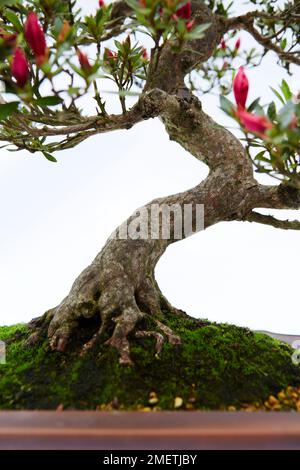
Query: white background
55	218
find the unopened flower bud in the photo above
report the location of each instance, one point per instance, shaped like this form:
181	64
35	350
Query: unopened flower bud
241	88
35	37
237	44
84	61
20	67
185	11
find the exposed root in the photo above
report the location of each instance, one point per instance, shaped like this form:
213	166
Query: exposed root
172	338
120	301
118	297
158	337
38	326
160	340
124	325
89	344
60	334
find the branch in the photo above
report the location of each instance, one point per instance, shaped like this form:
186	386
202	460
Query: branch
272	221
247	22
120	12
149	106
277	197
168	69
238	21
267	43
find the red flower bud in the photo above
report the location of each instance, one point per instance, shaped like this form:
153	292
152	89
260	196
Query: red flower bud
101	3
108	54
84	61
185	11
35	37
19	67
253	123
110	58
241	88
225	65
237	44
144	54
190	25
223	44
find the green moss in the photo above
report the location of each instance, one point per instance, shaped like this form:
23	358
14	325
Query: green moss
217	365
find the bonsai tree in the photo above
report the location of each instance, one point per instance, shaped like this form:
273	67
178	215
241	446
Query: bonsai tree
51	56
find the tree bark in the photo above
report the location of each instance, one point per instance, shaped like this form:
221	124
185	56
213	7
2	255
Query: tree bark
119	286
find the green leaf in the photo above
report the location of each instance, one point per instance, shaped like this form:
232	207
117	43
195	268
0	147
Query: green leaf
73	91
48	101
226	105
197	32
272	113
132	3
49	157
283	43
259	110
278	95
7	109
6	3
118	45
286	90
286	114
260	157
14	20
253	105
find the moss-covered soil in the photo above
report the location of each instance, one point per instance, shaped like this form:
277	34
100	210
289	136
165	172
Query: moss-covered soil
216	367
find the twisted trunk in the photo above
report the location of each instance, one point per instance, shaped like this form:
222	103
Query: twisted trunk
119	286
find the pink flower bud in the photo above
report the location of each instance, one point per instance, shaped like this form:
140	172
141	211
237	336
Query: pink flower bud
253	123
185	11
20	68
237	44
223	44
225	65
241	88
84	61
190	25
35	37
109	58
144	54
108	54
101	3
